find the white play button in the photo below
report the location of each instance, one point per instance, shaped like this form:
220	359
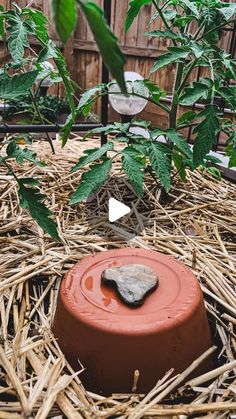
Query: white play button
117	210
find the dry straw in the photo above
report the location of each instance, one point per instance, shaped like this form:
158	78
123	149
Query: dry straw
198	227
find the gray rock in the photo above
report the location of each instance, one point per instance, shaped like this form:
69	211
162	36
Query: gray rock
132	282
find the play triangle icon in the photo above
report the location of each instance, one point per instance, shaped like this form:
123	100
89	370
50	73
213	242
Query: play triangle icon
117	210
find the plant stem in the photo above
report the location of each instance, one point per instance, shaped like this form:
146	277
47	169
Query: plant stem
175	104
199	30
187	126
187	76
161	105
159	10
10	169
215	29
41	119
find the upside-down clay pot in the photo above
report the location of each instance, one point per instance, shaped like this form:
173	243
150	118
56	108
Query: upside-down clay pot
113	340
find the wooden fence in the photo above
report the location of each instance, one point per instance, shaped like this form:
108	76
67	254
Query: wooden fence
140	51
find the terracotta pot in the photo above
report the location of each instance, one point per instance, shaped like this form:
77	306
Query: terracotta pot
112	340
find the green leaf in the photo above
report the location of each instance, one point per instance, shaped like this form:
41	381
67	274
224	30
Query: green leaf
175	54
88	98
106	41
178	140
51	51
32	200
215	172
156	93
133	165
22	154
230	65
84	107
229	11
65	17
186	117
18	85
2	31
232	160
96	154
231	149
168	34
39	24
134	9
206	134
179	164
229	94
18	29
191	5
212	159
91	181
161	164
197	91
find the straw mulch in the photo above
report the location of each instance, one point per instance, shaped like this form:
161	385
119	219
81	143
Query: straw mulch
198	227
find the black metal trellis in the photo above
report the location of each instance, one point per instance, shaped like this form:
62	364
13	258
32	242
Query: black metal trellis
82	127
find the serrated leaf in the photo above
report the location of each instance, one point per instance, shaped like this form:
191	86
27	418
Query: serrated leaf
156	93
168	34
229	94
179	164
22	154
213	159
18	38
229	11
191	5
91	181
133	165
86	102
194	93
178	140
175	54
96	154
40	21
106	41
134	9
206	134
51	51
32	200
65	17
161	164
186	117
18	85
215	172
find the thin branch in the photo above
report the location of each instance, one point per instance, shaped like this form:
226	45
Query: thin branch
215	29
187	76
34	101
159	10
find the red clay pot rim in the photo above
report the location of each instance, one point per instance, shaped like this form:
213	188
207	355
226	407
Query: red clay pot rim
116	323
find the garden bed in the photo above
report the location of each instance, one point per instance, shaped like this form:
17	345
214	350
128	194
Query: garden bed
197	226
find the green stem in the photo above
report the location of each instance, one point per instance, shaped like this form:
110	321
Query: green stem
215	29
164	107
35	104
182	85
10	169
187	126
175	104
199	30
159	10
